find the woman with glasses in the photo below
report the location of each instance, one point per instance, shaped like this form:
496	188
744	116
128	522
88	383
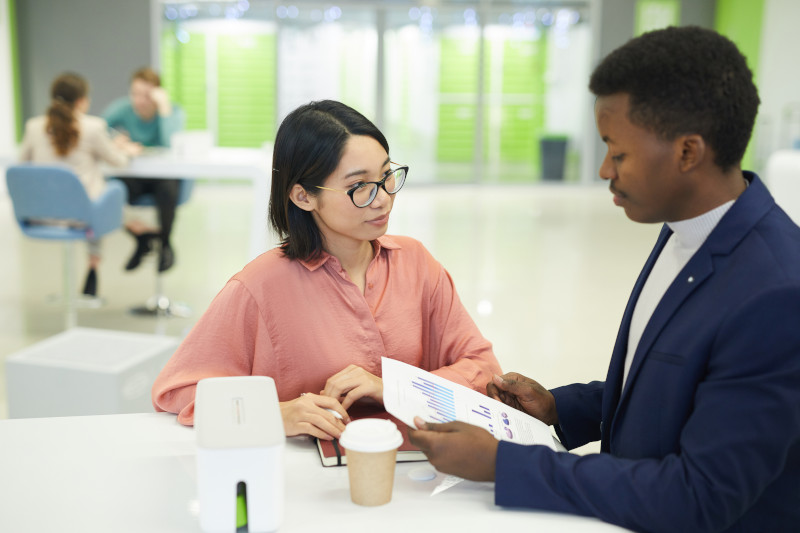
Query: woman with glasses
318	313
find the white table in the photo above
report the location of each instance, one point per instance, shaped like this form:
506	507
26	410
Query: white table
136	473
250	164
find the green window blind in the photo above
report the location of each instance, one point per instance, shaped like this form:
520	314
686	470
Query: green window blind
522	114
457	109
183	75
656	14
246	88
519	104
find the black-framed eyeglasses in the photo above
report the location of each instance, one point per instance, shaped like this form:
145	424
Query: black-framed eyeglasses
365	192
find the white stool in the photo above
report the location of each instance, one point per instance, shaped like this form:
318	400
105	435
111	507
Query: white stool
85	371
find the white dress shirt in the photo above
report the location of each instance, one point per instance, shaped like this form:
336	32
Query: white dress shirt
687	237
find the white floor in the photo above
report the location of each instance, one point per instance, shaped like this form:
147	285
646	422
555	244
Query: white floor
545	270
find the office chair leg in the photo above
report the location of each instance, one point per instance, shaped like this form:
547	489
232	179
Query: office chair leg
69	299
69	285
160	305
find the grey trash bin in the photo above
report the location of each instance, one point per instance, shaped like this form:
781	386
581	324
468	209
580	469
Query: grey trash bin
553	155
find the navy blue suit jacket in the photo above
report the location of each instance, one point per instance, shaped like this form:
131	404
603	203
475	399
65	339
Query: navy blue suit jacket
706	434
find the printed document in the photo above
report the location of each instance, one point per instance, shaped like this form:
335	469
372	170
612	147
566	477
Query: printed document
409	391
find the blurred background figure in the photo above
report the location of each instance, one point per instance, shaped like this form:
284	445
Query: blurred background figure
146	116
66	134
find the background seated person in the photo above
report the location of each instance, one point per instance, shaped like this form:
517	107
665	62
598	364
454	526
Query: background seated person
146	116
66	134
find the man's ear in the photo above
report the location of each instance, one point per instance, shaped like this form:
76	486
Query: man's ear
693	151
301	198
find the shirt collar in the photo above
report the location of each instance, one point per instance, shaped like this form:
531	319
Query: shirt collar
691	233
384	242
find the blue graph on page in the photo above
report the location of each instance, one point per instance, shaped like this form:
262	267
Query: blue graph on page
440	401
410	392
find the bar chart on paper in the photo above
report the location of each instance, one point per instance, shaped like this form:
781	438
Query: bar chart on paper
409	392
438	398
481	415
440	403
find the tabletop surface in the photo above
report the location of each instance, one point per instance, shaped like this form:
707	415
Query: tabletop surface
136	473
223	163
217	164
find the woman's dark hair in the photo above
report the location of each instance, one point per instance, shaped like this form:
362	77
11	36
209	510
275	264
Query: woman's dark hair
66	90
308	147
685	80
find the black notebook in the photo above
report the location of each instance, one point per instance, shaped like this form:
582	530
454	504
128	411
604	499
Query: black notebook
332	454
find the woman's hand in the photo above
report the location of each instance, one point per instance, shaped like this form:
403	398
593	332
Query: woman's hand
353	383
309	415
133	149
124	143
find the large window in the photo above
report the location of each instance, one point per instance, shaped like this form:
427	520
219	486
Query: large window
465	92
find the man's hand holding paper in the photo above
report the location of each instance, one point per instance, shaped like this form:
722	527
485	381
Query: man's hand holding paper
525	394
457	448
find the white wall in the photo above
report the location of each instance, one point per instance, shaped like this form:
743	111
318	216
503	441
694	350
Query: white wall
778	76
102	40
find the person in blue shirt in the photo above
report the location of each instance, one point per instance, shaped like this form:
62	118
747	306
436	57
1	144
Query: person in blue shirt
699	415
146	116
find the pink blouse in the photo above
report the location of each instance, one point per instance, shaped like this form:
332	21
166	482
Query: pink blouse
302	322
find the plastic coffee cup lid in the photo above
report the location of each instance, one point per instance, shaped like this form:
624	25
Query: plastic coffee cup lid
371	435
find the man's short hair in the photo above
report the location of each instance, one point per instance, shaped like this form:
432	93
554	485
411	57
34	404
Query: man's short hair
685	80
147	74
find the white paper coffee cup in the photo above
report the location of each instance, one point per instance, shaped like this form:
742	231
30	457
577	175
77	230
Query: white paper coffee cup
371	445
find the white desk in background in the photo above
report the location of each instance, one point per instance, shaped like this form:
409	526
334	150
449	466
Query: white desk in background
783	179
136	473
250	164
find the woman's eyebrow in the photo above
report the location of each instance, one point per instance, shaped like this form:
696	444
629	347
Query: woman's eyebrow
360	172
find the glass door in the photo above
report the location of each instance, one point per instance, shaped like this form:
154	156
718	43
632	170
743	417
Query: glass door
470	92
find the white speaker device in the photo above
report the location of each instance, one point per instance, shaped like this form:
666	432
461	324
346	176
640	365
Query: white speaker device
240	439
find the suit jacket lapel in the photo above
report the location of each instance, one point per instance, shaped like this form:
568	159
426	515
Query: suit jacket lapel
754	203
696	271
613	386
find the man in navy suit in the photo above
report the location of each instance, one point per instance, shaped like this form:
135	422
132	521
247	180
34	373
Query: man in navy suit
699	415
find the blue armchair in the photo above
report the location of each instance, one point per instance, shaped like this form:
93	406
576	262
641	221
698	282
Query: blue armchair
51	203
